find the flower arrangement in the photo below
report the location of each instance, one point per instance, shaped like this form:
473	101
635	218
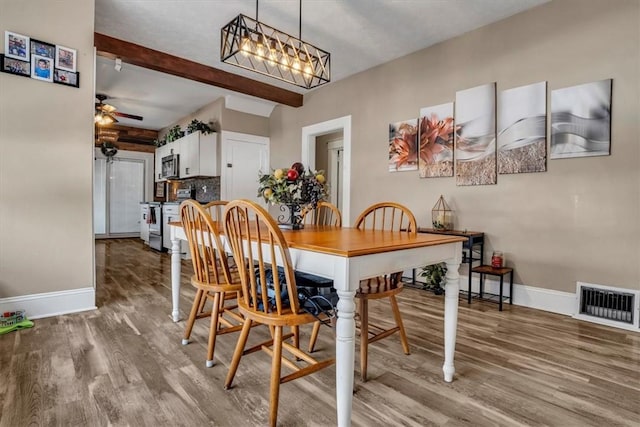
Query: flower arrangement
295	186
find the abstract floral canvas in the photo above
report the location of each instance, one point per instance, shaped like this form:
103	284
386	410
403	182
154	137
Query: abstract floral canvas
522	129
403	146
475	145
581	120
437	129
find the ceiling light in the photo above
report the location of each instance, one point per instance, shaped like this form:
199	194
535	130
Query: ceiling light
102	119
250	44
118	64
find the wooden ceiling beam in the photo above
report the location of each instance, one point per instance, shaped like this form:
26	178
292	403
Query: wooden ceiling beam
159	61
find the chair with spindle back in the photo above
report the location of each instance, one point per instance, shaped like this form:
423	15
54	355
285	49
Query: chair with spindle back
212	277
268	297
324	213
392	217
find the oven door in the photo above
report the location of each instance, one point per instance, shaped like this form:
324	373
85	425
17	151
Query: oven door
170	166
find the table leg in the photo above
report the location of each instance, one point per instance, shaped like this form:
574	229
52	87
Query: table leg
345	349
452	288
501	282
470	266
175	277
511	289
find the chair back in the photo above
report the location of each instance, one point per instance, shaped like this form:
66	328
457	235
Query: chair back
215	209
258	244
388	216
210	263
325	213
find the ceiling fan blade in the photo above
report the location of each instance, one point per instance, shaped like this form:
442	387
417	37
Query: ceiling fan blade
128	116
108	108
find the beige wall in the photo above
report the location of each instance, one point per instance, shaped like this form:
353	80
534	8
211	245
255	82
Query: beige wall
46	158
225	119
577	222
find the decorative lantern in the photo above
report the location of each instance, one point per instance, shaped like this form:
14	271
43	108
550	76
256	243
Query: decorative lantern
442	216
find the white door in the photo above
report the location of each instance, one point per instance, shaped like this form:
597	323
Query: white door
244	158
100	196
334	172
126	191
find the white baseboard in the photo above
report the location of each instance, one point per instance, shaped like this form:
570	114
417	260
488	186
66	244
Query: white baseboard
527	296
50	304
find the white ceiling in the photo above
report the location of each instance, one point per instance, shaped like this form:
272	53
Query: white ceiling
359	34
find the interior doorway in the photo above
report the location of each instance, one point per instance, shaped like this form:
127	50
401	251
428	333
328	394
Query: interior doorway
244	156
342	167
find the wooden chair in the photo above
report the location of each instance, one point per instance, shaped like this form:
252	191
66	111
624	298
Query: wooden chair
325	213
212	277
382	216
246	221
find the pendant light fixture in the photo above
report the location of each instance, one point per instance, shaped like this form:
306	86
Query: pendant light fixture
250	44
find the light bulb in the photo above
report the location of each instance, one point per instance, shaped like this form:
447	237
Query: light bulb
308	70
273	54
245	45
295	67
260	52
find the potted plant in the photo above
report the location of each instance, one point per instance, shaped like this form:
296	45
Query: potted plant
434	277
197	125
174	133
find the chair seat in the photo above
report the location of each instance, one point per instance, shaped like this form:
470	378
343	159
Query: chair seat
218	287
379	287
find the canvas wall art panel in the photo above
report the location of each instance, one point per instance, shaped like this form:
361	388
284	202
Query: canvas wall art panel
475	142
522	129
581	120
403	146
435	141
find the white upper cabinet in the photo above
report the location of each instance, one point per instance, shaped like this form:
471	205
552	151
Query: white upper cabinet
198	155
160	153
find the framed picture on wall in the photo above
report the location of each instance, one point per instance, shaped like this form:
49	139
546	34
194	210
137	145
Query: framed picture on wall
16	46
66	58
45	49
13	66
66	78
41	68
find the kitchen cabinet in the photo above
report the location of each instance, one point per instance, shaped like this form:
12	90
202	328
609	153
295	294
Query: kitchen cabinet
160	153
171	213
144	226
198	155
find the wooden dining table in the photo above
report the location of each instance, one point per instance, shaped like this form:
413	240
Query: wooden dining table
348	255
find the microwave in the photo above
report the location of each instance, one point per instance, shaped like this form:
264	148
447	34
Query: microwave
170	166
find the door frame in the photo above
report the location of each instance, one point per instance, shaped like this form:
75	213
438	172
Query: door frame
226	138
309	134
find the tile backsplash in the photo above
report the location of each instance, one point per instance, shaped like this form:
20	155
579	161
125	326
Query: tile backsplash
207	188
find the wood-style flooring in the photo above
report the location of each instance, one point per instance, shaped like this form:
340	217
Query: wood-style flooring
123	364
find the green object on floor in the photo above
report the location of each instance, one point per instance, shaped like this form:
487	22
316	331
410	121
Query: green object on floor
12	321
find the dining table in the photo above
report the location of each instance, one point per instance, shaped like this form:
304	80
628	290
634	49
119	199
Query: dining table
347	256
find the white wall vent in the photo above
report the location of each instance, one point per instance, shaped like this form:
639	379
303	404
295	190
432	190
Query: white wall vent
607	305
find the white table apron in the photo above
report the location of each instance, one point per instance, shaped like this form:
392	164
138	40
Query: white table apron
346	273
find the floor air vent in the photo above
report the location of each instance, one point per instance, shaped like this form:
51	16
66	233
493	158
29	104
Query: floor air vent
610	306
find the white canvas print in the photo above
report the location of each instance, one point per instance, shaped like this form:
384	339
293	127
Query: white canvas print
475	145
522	129
581	120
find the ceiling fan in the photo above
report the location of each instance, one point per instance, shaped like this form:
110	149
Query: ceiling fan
106	114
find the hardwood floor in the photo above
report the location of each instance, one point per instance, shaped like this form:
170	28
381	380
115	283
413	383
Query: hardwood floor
123	364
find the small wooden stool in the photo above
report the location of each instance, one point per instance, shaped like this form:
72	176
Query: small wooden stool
494	271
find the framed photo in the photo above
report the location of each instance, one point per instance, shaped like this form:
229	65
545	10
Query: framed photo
66	58
41	68
45	49
13	66
66	78
160	190
16	46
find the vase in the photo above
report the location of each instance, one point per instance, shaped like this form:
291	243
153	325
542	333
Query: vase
291	218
